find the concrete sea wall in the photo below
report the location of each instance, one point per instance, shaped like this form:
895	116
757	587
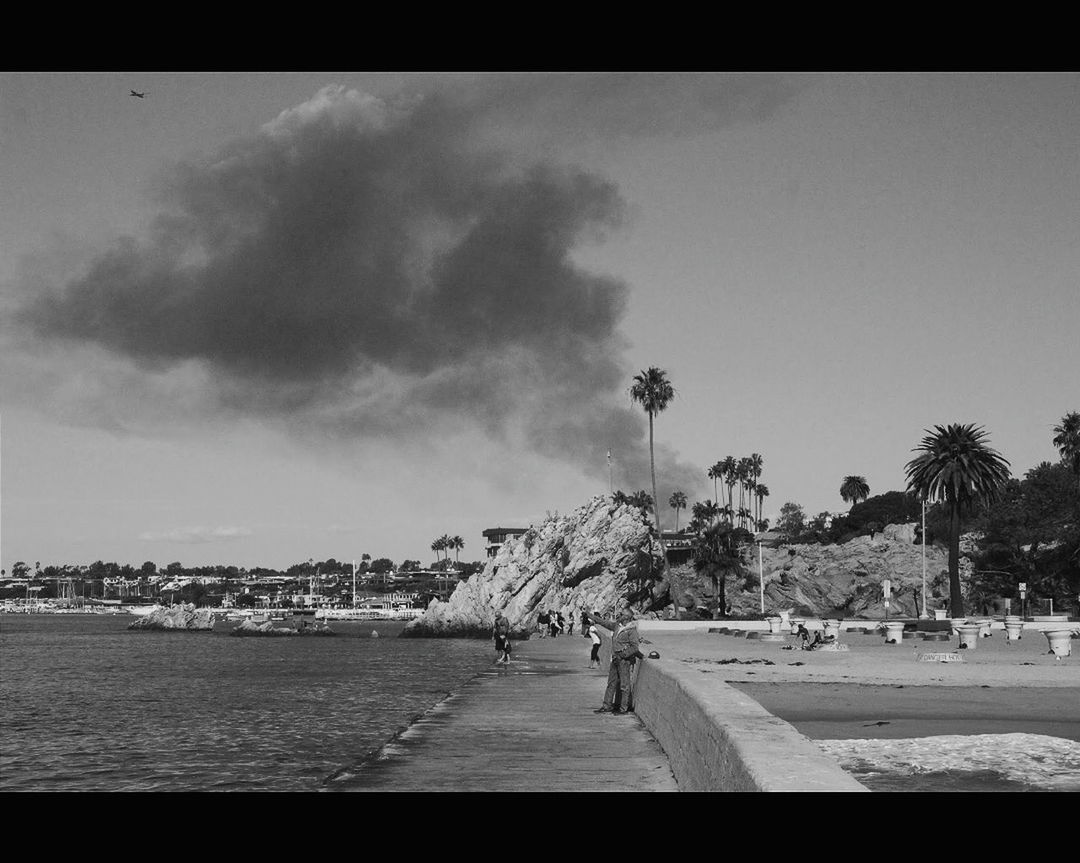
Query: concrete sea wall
718	739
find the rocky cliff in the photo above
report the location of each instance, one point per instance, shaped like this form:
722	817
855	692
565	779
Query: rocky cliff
600	556
843	580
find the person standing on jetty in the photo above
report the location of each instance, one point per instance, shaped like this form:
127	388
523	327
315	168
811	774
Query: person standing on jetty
624	653
501	633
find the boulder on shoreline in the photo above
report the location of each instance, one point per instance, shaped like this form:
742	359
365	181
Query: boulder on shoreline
182	617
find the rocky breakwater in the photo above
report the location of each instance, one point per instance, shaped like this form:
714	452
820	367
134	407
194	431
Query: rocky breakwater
600	556
177	618
846	579
267	629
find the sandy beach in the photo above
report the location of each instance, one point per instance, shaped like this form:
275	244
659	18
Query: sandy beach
1005	717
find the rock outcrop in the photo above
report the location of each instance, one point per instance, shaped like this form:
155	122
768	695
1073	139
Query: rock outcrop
601	556
183	617
843	580
268	630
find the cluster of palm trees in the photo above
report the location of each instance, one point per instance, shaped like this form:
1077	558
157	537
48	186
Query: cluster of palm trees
445	543
746	473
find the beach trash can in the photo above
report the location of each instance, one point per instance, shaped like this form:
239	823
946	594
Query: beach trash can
1060	641
968	634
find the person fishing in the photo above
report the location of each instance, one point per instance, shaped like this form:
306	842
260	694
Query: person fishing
624	654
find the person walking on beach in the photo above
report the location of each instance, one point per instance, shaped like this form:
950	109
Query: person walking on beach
570	623
594	657
584	623
543	622
501	633
624	653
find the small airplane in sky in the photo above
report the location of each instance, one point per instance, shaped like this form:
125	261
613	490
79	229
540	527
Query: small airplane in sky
138	95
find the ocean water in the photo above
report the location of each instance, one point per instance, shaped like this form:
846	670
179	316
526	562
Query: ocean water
86	705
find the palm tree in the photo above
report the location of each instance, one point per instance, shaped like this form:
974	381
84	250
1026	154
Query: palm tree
653	391
762	492
742	474
854	489
1067	440
957	468
704	514
715	552
715	473
731	468
456	543
677	501
436	547
641	499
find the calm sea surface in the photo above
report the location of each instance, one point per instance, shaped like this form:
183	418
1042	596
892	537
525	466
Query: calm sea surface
86	705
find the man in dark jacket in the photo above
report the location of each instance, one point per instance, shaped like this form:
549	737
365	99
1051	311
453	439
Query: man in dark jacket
624	653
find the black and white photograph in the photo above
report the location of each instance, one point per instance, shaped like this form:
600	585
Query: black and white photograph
418	431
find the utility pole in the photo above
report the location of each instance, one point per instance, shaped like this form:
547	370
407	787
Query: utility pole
924	558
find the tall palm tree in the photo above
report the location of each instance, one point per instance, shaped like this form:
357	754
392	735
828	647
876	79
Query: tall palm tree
762	492
677	501
730	470
715	473
456	543
437	546
742	474
956	467
854	489
653	391
1067	440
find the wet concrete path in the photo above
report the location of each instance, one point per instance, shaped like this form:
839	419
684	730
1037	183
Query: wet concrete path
526	726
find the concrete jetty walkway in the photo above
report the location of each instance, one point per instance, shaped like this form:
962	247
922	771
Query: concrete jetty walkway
526	726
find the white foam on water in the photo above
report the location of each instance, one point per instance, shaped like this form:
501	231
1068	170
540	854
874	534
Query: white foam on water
1038	760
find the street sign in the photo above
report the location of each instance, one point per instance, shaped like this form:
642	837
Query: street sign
1023	586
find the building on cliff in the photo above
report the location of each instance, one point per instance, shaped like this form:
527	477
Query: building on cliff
679	546
496	536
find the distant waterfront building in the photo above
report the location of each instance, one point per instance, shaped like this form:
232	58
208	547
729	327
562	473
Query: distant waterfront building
496	536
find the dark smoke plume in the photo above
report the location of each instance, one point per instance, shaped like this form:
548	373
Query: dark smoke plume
368	263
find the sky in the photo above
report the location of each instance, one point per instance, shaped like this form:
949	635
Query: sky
256	319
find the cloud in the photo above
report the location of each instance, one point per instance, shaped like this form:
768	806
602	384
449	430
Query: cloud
196	535
372	268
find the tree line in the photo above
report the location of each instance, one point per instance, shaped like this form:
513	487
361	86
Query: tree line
1030	528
